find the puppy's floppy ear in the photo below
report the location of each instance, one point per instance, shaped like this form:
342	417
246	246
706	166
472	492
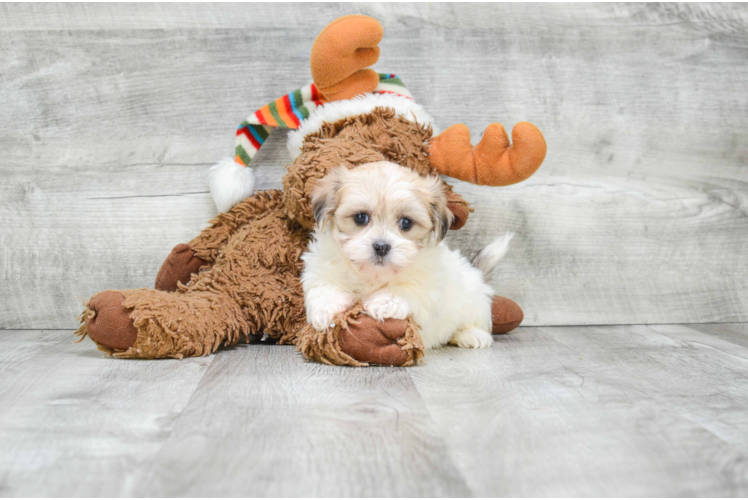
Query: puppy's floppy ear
442	220
441	215
325	195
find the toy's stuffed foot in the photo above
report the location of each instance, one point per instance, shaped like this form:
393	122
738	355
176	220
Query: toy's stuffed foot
341	52
108	322
359	340
506	315
178	267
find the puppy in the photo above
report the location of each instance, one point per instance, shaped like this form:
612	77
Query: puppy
379	240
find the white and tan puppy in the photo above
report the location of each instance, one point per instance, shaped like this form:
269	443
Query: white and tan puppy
378	240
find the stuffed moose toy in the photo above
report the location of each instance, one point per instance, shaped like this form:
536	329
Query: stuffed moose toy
240	276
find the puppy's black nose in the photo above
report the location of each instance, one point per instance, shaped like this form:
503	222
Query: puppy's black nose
381	248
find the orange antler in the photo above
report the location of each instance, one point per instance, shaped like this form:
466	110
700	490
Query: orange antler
494	161
341	52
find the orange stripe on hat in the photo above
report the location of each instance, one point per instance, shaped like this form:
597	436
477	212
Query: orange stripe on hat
266	117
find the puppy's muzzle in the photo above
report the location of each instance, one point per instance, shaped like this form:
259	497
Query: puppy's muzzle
381	248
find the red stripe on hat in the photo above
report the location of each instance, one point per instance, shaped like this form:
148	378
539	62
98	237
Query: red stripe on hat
265	117
315	95
245	131
391	92
289	110
260	118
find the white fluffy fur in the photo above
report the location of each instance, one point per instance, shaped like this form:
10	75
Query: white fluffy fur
230	183
447	296
337	110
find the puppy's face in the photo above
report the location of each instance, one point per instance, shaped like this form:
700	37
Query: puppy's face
381	215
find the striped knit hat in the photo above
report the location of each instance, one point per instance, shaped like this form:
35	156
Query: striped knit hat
231	181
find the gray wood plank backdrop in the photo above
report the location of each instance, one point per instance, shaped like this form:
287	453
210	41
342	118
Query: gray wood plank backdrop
110	116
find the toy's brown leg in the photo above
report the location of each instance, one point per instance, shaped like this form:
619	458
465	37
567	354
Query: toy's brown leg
252	286
341	52
358	340
149	324
459	208
200	253
494	161
108	322
506	315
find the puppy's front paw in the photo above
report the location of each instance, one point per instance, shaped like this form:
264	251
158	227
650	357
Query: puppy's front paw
381	306
322	319
325	306
472	338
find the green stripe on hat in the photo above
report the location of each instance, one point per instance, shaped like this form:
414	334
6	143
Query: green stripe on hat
261	131
241	153
274	111
298	101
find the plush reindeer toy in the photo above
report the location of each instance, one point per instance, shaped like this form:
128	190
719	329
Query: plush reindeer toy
240	276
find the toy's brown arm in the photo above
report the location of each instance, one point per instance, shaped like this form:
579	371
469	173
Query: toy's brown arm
494	161
458	206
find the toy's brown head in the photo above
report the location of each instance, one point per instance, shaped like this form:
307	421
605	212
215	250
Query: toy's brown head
365	138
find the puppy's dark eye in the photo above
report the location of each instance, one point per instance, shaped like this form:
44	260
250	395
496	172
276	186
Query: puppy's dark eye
361	219
405	224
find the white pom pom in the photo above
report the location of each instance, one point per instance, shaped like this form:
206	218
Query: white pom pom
230	183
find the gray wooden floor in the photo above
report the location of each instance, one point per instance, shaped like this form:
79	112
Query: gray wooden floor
562	411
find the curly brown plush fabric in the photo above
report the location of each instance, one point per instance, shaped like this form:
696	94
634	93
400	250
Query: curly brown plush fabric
208	244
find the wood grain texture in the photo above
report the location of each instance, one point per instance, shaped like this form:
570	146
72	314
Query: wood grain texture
264	422
552	411
595	411
113	113
74	423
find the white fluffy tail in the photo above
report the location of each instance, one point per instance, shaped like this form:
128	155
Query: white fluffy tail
492	253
